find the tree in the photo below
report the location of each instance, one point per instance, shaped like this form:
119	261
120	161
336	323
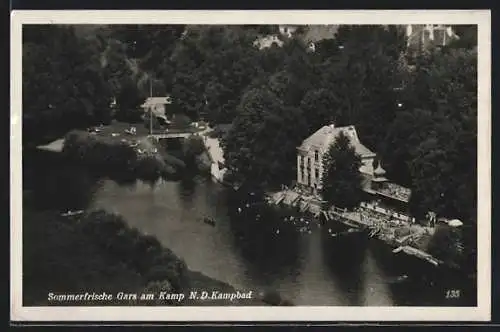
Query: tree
297	76
327	48
446	80
447	244
363	75
261	145
156	287
407	130
129	100
63	84
467	36
266	29
167	266
192	147
214	64
341	180
443	169
320	108
436	142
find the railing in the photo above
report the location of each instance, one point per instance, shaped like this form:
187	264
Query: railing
387	212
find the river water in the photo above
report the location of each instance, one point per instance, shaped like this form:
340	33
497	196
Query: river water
306	268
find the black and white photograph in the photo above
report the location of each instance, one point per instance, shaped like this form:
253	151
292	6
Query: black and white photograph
336	165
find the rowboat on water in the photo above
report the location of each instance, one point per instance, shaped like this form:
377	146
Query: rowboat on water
209	221
71	213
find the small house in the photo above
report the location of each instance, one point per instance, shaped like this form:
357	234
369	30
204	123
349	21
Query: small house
158	107
310	156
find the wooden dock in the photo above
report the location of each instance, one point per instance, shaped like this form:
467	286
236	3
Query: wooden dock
351	219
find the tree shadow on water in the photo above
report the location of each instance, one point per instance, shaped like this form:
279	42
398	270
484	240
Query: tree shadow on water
267	245
64	188
344	257
187	187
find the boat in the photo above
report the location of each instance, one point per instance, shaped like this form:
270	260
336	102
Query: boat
71	213
398	249
397	279
209	221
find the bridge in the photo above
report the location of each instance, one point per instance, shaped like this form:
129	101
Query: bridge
171	135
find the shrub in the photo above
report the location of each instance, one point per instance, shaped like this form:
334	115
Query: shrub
102	225
273	298
117	159
60	257
99	153
158	286
143	253
193	146
150	168
446	244
167	265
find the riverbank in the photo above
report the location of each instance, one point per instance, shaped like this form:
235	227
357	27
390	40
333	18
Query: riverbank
94	251
393	229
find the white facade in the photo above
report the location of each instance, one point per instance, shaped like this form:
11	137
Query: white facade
310	168
429	34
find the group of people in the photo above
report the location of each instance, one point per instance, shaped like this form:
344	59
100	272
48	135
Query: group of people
394	190
303	225
373	216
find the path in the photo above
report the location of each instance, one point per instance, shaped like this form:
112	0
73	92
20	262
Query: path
216	155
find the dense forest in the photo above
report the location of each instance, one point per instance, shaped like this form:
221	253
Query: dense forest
418	114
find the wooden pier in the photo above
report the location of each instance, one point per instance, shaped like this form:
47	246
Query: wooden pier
348	218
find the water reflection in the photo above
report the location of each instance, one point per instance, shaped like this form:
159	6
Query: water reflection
268	246
187	188
344	266
57	184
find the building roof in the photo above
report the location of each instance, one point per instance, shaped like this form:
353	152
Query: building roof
315	33
151	101
379	171
155	101
56	146
326	135
267	41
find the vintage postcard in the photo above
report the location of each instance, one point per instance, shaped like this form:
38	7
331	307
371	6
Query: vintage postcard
250	166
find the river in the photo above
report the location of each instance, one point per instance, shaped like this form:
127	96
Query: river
306	268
